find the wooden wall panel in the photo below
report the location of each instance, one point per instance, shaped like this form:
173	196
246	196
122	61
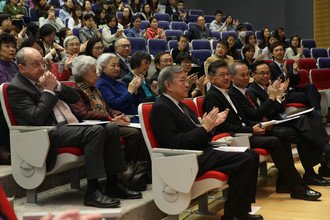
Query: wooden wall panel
322	23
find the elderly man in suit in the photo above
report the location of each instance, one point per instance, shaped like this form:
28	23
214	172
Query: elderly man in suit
279	68
38	99
309	126
236	122
123	51
175	125
200	31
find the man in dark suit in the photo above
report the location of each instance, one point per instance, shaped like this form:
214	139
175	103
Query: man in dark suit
123	50
236	122
309	126
200	31
293	130
279	68
36	98
175	125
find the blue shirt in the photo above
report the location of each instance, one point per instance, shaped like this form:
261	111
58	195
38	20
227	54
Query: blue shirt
133	32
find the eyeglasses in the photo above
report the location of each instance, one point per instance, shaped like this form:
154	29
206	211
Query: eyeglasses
74	45
125	46
98	48
167	61
182	81
263	73
42	63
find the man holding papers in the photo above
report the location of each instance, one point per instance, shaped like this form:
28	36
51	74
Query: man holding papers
309	125
236	122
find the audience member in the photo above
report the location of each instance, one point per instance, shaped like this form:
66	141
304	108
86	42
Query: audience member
37	104
88	8
230	24
265	35
100	18
53	51
162	59
236	122
295	50
123	51
63	33
111	32
267	55
91	106
314	147
16	12
50	18
94	48
89	30
140	63
280	34
5	23
241	32
176	125
126	18
77	18
216	24
181	14
146	12
153	31
200	31
39	9
154	6
116	5
248	53
232	47
67	10
114	92
279	68
136	6
220	53
171	7
136	30
183	47
250	38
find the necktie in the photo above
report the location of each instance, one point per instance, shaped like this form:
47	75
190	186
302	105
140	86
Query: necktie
66	111
250	100
184	109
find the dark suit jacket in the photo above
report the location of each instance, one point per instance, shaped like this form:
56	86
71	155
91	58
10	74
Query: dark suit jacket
195	33
266	109
123	68
275	72
174	129
233	123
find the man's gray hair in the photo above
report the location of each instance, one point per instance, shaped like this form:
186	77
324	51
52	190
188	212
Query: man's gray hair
167	74
234	66
103	60
20	55
68	39
81	65
118	40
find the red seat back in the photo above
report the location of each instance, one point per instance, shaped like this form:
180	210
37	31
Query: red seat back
199	104
7	112
304	77
320	78
190	103
307	64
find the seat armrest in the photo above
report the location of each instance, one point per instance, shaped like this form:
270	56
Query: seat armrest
171	151
32	128
243	134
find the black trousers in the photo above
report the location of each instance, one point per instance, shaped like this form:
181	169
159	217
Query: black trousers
308	95
103	154
241	167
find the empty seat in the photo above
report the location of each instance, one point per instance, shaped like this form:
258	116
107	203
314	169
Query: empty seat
307	64
76	31
306	52
192	18
173	34
179	25
319	52
304	77
225	34
137	44
172	44
323	62
144	25
309	43
162	17
258	35
200	44
209	18
164	25
196	12
215	35
201	55
156	45
119	14
320	78
191	25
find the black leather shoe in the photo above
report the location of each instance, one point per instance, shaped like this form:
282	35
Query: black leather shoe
281	188
242	217
316	180
100	200
324	171
122	192
305	193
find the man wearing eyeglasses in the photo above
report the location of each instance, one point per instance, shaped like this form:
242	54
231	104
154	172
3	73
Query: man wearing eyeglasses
123	51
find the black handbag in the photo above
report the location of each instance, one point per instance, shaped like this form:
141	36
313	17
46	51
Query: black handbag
135	176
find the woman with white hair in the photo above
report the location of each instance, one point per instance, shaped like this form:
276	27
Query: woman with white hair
91	106
115	93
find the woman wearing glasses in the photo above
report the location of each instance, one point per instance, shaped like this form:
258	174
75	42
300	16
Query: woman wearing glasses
94	48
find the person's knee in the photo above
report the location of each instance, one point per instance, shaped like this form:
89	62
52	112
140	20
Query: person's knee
111	127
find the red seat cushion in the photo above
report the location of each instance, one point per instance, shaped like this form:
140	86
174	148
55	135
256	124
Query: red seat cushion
261	151
71	150
297	105
218	136
214	175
